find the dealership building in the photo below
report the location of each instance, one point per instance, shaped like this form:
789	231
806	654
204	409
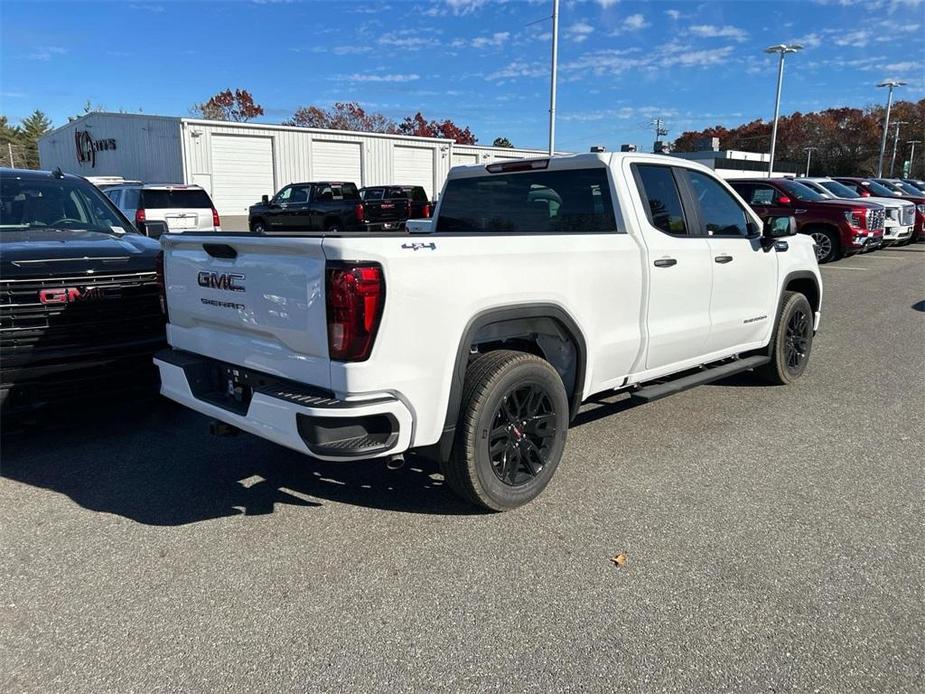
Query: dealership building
239	162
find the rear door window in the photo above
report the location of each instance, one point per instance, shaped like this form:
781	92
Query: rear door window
165	198
659	191
575	201
372	194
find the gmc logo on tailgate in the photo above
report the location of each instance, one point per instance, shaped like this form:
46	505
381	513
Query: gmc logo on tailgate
215	280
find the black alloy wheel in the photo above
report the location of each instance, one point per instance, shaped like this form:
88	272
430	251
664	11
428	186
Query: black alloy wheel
523	432
796	340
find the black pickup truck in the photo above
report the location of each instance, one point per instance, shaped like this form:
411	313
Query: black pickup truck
311	206
80	311
389	207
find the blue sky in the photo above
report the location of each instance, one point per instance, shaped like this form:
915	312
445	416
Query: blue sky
481	63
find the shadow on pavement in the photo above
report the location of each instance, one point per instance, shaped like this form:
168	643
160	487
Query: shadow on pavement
155	463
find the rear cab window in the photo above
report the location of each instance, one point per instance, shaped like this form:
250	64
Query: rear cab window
173	198
575	200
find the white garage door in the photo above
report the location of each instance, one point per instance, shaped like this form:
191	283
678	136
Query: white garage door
465	159
242	171
337	161
414	166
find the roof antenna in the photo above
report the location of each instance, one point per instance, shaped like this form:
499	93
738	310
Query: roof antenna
57	173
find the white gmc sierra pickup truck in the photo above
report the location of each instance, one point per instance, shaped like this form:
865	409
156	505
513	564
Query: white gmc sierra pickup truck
538	284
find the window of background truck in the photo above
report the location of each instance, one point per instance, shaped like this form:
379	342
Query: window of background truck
574	201
373	194
283	195
349	191
719	211
759	195
129	199
659	189
300	194
839	190
877	190
800	192
400	193
115	196
419	195
163	199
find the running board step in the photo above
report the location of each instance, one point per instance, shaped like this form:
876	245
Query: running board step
714	373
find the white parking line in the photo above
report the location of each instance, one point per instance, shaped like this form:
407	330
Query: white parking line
839	267
881	257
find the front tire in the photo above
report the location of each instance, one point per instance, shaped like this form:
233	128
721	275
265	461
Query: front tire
791	342
828	246
258	226
511	430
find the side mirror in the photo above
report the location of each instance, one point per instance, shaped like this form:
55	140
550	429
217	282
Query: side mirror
779	227
265	199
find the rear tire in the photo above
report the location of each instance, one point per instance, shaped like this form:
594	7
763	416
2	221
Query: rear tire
791	342
511	430
828	243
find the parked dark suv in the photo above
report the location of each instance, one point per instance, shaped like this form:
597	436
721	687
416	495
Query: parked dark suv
80	312
389	207
838	227
312	206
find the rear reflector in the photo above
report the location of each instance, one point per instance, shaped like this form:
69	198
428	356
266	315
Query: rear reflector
526	165
355	298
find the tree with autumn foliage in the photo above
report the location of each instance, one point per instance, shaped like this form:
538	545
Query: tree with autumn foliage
419	126
237	106
342	116
847	140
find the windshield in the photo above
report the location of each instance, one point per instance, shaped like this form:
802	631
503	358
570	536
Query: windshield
59	203
879	190
839	190
908	188
801	192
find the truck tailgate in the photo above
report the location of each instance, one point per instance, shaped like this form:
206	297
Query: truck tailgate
256	302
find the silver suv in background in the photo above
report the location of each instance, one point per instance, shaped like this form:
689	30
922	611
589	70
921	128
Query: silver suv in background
900	216
183	208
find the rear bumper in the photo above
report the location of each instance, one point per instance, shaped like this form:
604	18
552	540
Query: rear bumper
301	418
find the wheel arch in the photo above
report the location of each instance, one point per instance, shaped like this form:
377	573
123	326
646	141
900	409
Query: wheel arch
546	330
804	282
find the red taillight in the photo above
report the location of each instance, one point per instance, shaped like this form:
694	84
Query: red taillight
161	281
863	193
359	212
139	217
783	200
216	222
355	297
425	213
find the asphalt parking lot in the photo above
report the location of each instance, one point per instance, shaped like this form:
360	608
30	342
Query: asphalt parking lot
774	543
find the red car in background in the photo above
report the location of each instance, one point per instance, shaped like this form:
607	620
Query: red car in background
883	188
838	227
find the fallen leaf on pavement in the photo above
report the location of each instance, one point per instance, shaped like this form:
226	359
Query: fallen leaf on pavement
619	560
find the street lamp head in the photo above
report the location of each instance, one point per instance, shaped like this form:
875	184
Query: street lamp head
892	83
783	48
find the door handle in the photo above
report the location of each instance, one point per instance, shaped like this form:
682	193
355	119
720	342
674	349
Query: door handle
665	262
723	259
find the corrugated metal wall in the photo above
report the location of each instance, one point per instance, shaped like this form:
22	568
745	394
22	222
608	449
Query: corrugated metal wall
292	151
147	147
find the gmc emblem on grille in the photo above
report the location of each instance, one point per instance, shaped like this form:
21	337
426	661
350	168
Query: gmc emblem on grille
227	281
75	295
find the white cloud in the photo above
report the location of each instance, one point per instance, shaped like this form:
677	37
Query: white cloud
46	52
715	56
357	77
725	32
406	40
148	8
495	40
461	7
519	68
606	4
904	67
673	14
857	39
635	22
579	31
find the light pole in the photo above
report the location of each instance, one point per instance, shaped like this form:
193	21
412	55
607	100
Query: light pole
892	84
895	144
912	155
783	49
809	155
552	84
